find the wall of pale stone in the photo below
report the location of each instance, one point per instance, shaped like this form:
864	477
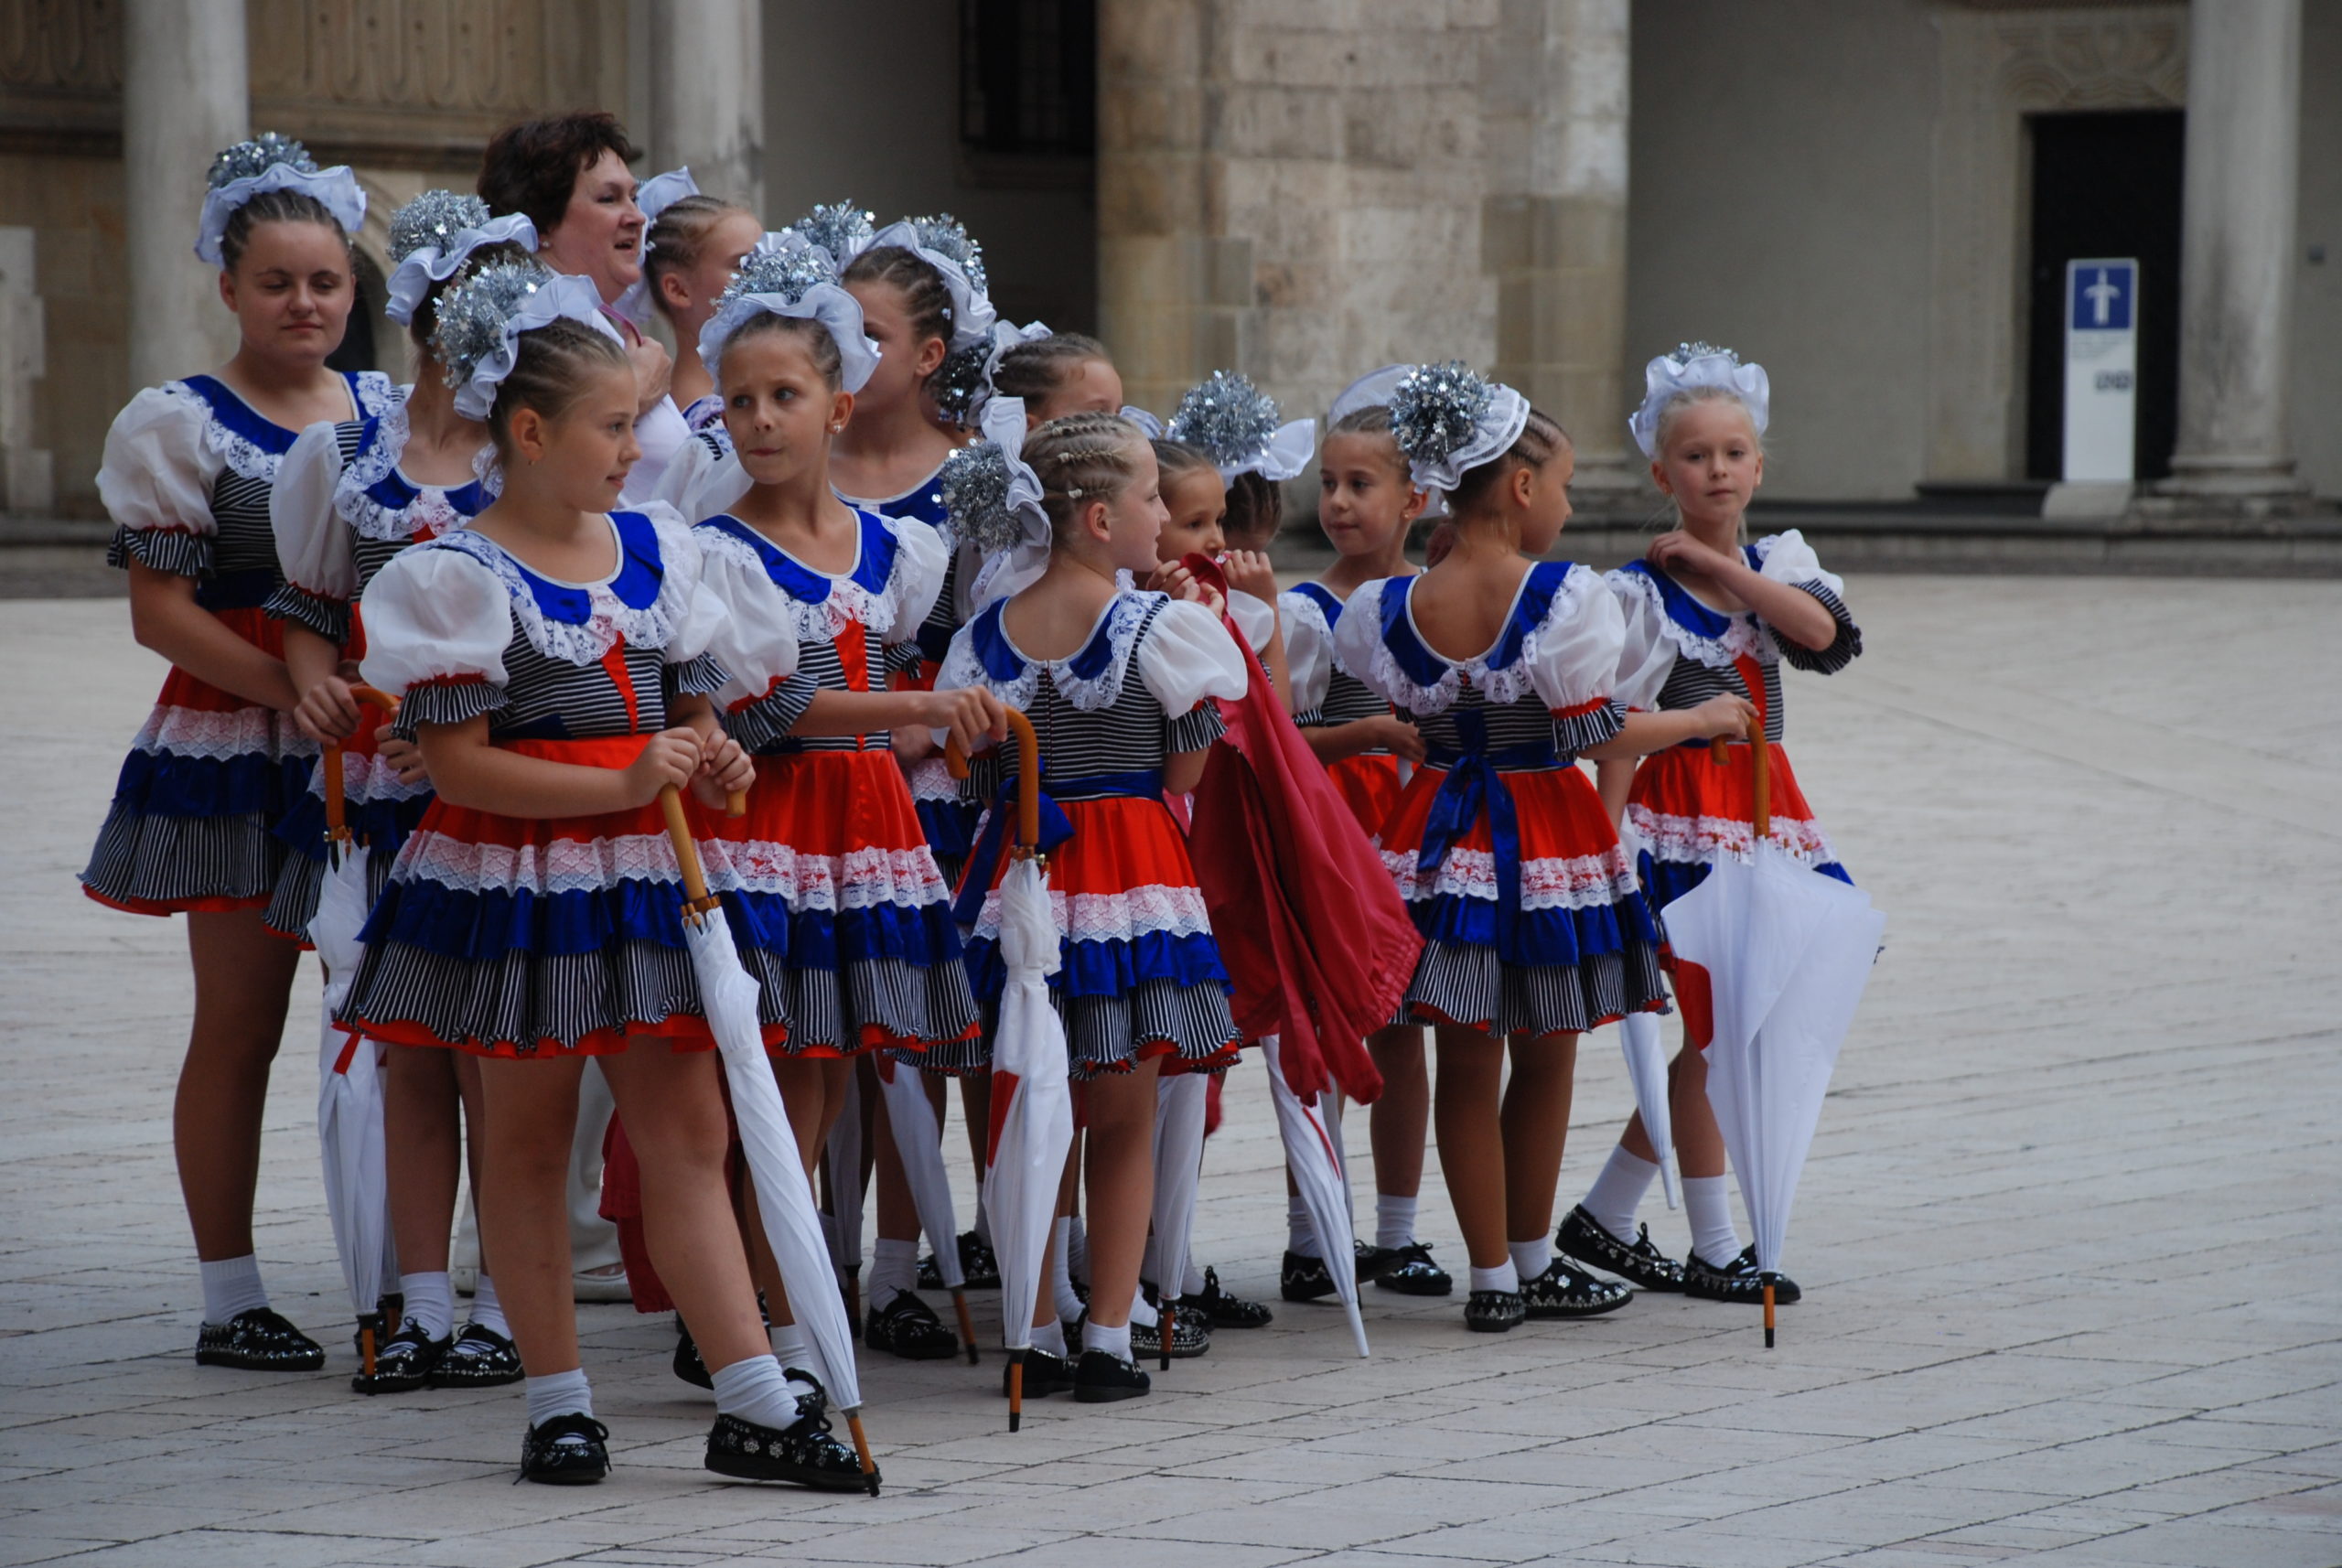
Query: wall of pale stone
2317	297
74	207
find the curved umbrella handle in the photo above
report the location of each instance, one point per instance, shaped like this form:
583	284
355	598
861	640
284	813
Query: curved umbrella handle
679	834
1028	775
330	766
1761	761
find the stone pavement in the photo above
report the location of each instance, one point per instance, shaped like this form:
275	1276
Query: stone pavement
2067	1236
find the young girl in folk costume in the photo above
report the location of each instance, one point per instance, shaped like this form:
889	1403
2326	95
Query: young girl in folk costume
348	498
189	469
1535	930
693	244
1706	614
552	658
837	902
1367	502
1054	373
1115	681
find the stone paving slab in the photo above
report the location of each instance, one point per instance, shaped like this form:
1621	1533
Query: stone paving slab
2065	1235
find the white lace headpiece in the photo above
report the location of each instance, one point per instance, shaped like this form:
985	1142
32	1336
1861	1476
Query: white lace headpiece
1148	425
1373	390
1448	420
269	163
993	497
1695	365
942	245
437	234
481	320
785	276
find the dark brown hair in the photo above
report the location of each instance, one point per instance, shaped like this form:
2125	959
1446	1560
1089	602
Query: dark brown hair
927	298
1176	457
674	239
819	347
1255	512
533	168
1539	442
549	371
1035	370
273	207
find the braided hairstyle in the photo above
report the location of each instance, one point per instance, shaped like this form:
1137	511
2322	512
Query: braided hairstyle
1176	459
674	241
1081	458
1539	442
273	207
927	298
1033	371
1255	512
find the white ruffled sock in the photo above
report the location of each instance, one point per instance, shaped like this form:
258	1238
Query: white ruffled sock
1531	1258
1143	1310
1051	1337
232	1288
558	1394
1061	1295
1115	1342
755	1390
488	1308
1300	1231
1503	1277
894	1268
790	1346
1618	1191
1394	1220
1707	1204
430	1302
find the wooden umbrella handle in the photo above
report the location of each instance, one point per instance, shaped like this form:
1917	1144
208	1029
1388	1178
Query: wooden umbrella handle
679	834
330	766
1761	761
1028	775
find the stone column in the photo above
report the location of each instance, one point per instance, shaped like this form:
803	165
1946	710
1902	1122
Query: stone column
184	97
1554	227
2235	448
1175	295
707	94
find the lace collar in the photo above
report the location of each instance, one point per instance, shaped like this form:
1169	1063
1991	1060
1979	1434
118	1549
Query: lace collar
640	603
706	412
251	444
1423	682
1090	678
381	503
921	503
823	603
1330	608
1705	635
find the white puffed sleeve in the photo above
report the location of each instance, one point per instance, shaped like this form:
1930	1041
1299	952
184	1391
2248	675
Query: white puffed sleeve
920	560
155	481
1356	636
438	623
312	540
756	641
1186	655
1574	659
1309	649
660	434
1788	559
701	479
1256	619
1648	655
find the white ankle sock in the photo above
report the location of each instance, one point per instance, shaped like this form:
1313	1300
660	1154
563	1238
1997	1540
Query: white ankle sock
1050	1336
755	1390
488	1308
1300	1234
232	1288
1503	1277
1143	1310
1115	1342
1394	1220
1061	1297
790	1346
430	1302
1707	1204
1618	1191
1531	1258
893	1268
558	1394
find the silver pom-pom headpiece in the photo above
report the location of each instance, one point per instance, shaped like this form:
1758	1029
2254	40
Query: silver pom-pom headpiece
958	260
1448	419
1692	367
1235	424
947	236
268	162
785	275
482	319
991	493
434	235
959	385
840	228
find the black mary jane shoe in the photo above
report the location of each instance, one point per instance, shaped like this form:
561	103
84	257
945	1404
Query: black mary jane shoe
1494	1311
1564	1292
257	1341
1370	1259
1582	1239
1737	1280
1190	1336
978	1266
568	1451
908	1328
1409	1271
1044	1375
1304	1279
803	1453
403	1362
687	1364
479	1358
1223	1310
1101	1376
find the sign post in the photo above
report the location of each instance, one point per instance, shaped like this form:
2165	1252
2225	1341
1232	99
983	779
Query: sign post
2101	370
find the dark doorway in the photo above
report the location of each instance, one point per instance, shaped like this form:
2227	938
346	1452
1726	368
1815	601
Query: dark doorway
2106	185
368	291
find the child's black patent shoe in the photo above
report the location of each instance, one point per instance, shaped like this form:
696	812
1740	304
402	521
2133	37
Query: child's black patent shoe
978	1266
1409	1271
257	1341
1044	1375
568	1451
1304	1279
1737	1280
1494	1311
687	1363
403	1362
803	1453
909	1327
1583	1239
1101	1376
479	1358
1564	1292
1223	1310
1190	1336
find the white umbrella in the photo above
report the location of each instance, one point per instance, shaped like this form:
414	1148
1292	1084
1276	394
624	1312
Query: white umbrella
919	1141
841	1159
351	1070
1312	1152
1646	1068
785	1198
1179	1106
1782	953
1032	1103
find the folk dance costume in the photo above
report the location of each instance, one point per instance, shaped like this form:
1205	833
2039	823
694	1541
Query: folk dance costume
342	510
1325	692
839	908
515	937
1142	973
1685	809
1532	918
188	473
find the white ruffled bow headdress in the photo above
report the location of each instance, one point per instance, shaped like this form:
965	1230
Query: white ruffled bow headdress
843	231
656	194
435	234
785	276
267	163
1692	366
994	498
481	320
1448	420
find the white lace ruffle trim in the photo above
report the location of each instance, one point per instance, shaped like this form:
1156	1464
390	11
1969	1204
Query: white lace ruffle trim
429	515
564	866
1123	618
1499	686
1699	840
1744	635
368	777
847	601
611	617
1579	881
859	879
1154	909
247	459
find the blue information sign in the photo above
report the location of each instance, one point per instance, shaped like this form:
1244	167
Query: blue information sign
2103	297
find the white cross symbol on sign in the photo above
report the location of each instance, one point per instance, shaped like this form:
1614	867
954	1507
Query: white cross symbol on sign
2101	296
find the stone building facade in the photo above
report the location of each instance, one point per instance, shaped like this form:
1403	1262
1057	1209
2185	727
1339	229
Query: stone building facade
1305	188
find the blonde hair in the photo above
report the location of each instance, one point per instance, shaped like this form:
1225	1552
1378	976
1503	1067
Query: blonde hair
1081	458
1678	401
